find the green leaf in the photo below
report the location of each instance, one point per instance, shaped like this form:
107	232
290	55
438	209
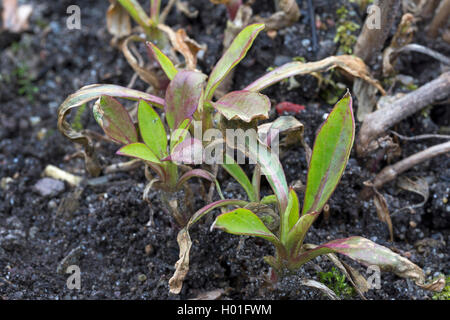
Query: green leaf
290	217
140	151
368	253
270	199
234	54
183	96
137	13
243	105
163	61
178	135
244	222
239	175
152	129
270	166
115	120
214	205
296	235
330	155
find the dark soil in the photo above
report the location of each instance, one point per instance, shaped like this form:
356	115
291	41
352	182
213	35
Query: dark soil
107	233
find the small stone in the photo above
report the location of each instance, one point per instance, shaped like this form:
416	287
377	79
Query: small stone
4	182
148	249
413	224
48	187
142	277
35	120
52	205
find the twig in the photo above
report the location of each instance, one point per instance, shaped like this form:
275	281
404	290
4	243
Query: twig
389	173
379	121
440	18
371	39
421	137
123	166
166	11
422	49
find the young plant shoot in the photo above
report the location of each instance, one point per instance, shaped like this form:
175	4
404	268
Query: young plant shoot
328	161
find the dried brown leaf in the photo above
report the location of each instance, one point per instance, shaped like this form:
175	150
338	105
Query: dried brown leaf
418	185
187	47
287	14
118	20
320	286
137	64
436	285
383	212
182	265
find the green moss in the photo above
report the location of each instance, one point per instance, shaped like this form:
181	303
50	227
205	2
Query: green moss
445	294
345	31
335	280
25	83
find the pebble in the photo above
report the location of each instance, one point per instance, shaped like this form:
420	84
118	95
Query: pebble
148	249
48	187
142	277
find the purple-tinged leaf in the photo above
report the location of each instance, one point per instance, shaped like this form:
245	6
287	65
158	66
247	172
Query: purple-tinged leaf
115	120
189	151
200	173
163	60
244	222
330	155
155	7
243	105
234	54
85	95
183	96
367	253
195	173
140	151
270	166
214	205
232	8
152	129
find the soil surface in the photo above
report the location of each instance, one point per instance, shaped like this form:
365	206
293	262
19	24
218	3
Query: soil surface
127	249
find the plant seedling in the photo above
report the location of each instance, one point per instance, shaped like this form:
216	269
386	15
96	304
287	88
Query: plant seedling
329	158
